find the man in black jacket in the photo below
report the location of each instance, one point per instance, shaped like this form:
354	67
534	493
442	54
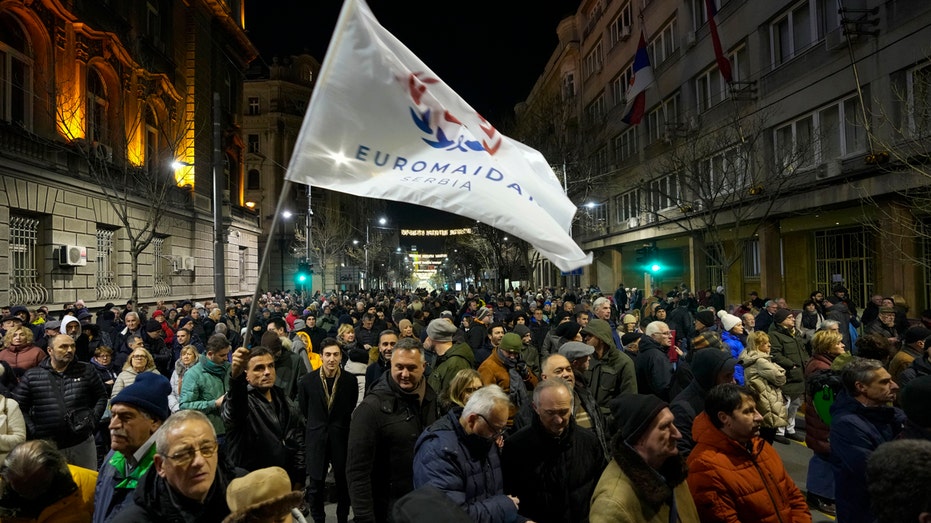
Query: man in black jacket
62	399
263	428
384	428
327	398
552	465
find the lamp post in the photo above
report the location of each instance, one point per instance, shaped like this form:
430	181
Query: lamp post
381	221
286	214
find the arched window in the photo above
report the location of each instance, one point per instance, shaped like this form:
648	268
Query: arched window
16	71
97	105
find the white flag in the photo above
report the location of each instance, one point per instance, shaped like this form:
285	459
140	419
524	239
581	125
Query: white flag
380	124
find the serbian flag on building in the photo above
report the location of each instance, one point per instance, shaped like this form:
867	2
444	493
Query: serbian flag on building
641	79
724	65
381	124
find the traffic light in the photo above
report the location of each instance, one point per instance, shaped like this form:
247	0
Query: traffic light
649	259
303	275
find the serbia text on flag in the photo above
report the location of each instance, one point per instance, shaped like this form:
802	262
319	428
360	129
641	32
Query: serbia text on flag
380	124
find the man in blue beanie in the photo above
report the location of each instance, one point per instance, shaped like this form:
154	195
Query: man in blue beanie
135	414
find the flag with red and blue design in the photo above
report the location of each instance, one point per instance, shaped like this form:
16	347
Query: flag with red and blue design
641	79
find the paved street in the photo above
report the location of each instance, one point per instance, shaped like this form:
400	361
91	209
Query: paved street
795	456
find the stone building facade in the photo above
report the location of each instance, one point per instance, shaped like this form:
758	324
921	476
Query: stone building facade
106	126
835	104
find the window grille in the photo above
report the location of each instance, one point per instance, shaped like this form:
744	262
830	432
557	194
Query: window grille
107	287
752	258
844	256
713	267
162	286
25	288
243	280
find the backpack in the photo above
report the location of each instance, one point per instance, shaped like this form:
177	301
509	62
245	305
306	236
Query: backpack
823	386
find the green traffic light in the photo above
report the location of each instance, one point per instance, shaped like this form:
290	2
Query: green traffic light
655	267
302	278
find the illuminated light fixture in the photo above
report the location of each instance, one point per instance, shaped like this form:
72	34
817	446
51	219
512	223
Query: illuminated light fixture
250	205
178	164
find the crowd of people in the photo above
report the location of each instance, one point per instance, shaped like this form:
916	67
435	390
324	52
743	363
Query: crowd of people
555	405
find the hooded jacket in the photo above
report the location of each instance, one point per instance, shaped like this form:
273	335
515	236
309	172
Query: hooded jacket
654	370
202	385
553	476
691	401
765	377
633	492
788	351
733	482
466	467
856	431
456	358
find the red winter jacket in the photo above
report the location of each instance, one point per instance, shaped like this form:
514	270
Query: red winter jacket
731	483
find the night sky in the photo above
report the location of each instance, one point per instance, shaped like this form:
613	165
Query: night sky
489	51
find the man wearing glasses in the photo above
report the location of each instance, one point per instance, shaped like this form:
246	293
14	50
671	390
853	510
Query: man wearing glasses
186	483
458	455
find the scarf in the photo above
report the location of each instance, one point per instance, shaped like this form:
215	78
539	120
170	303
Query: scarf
130	480
330	394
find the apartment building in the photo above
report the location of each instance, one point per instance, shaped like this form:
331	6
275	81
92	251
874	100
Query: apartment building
801	171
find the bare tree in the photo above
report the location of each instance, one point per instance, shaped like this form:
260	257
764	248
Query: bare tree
900	146
330	234
721	184
127	143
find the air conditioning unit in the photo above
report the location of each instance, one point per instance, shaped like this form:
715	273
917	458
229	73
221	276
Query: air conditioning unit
72	256
625	33
690	39
632	222
102	151
189	263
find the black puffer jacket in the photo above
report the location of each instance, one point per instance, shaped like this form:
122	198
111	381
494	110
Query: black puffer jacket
83	399
553	477
276	427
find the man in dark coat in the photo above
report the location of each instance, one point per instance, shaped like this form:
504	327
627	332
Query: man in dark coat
709	368
263	427
382	434
861	420
327	398
62	399
553	465
459	456
654	370
188	480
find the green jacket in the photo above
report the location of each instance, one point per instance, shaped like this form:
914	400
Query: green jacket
788	351
611	376
458	357
202	385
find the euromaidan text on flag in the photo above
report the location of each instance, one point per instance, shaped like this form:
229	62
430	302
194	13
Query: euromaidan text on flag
380	124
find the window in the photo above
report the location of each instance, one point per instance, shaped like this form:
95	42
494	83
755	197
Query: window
710	87
15	73
834	131
600	159
161	267
619	30
151	141
803	25
568	86
253	105
663	44
243	279
307	74
153	24
107	287
660	118
96	108
662	193
253	145
25	288
627	206
713	266
700	13
596	109
721	174
254	180
918	100
625	145
593	61
751	258
845	256
620	84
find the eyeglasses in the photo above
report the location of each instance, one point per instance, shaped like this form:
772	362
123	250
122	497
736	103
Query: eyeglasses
183	458
498	432
139	357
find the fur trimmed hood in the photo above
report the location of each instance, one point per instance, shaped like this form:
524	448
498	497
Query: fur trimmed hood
654	488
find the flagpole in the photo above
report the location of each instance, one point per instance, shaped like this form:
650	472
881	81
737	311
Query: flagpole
268	249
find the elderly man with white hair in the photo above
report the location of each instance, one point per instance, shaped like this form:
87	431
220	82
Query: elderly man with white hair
458	455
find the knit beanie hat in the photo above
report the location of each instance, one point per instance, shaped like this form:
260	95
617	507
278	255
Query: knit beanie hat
511	343
153	326
483	315
637	412
706	318
149	393
729	320
568	330
521	330
780	316
915	402
440	329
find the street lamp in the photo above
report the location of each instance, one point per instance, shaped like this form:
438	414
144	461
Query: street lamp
381	221
286	214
